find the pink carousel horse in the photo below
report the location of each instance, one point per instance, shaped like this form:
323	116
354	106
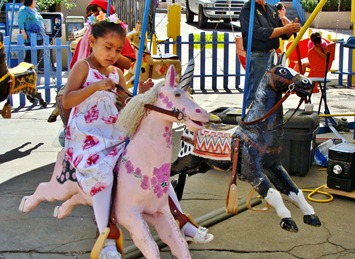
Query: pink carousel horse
145	165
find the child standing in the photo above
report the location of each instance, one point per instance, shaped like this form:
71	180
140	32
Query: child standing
93	140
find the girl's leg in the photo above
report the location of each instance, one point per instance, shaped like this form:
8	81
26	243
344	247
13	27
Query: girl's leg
193	232
101	203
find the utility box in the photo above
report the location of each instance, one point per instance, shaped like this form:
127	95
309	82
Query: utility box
299	141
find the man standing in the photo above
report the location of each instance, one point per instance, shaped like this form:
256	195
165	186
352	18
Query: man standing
267	29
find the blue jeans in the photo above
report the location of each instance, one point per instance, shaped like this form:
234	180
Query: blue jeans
258	66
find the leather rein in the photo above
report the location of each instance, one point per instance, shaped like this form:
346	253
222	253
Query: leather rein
291	87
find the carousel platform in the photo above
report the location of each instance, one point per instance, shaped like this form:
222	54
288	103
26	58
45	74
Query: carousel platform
28	151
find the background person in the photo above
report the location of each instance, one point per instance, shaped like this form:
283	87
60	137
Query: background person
267	30
281	8
30	21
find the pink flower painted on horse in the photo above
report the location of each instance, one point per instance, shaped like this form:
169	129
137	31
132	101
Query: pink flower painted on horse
129	167
77	160
97	188
89	142
168	136
110	120
92	114
145	183
138	173
166	100
92	159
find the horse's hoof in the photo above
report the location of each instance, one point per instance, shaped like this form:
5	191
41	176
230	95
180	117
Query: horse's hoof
22	204
289	225
52	118
56	212
312	220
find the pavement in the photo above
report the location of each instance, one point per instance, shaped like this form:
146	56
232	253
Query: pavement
28	150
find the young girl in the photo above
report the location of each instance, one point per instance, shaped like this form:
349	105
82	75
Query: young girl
93	141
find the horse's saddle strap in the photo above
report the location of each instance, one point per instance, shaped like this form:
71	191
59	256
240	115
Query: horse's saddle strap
235	161
178	215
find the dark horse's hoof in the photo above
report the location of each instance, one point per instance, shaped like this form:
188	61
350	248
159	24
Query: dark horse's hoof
289	225
312	220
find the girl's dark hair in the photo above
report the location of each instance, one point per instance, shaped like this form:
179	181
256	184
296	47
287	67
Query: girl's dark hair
316	37
27	2
100	29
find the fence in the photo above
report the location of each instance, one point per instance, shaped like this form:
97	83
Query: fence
217	68
52	76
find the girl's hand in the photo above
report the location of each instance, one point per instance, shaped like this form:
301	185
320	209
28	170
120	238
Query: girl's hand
105	84
145	86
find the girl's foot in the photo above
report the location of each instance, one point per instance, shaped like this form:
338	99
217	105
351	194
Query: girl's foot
201	236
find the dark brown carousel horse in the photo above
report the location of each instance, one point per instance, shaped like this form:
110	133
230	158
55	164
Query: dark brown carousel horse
260	137
21	79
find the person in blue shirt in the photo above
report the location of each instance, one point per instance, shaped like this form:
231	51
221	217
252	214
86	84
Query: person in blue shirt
30	21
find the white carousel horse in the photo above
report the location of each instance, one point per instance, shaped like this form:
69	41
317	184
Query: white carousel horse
259	160
154	67
20	79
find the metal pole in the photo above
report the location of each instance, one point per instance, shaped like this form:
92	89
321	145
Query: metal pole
247	68
10	35
108	8
141	46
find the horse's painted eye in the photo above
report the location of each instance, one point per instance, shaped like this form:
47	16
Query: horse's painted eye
177	94
305	81
283	71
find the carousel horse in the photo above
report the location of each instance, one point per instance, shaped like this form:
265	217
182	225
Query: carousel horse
154	67
260	136
20	79
172	101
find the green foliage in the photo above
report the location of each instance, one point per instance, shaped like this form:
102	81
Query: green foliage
44	4
330	5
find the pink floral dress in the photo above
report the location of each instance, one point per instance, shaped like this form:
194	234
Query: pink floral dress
93	141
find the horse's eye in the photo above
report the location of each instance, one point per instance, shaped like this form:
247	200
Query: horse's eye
283	71
177	94
305	81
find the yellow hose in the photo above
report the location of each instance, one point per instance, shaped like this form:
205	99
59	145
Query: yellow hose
317	191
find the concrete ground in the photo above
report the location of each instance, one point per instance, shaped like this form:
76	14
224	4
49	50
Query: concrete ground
28	150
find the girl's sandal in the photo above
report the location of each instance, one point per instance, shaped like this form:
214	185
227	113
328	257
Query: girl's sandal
201	237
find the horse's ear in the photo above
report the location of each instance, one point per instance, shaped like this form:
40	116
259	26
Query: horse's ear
273	60
186	78
170	76
282	59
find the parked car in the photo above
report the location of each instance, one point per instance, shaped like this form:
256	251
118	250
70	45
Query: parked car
226	10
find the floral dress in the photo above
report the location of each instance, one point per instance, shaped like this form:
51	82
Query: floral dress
93	141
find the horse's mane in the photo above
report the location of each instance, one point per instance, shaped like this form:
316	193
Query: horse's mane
132	114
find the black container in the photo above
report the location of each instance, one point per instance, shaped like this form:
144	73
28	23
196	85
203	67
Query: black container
299	141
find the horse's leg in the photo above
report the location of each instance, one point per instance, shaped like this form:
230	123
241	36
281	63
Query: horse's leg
67	207
252	171
50	191
282	181
138	228
169	233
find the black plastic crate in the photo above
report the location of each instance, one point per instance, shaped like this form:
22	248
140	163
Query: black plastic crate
299	141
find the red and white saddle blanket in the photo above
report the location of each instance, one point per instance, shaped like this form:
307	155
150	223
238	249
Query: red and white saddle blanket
212	144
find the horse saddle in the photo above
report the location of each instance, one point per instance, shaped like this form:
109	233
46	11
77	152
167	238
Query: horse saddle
213	144
22	76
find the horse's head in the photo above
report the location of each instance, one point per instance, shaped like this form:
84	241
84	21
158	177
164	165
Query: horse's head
175	97
283	79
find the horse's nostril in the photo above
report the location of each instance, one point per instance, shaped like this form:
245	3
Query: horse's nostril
198	110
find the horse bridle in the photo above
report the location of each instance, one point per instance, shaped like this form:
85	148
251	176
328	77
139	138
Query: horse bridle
179	115
291	87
